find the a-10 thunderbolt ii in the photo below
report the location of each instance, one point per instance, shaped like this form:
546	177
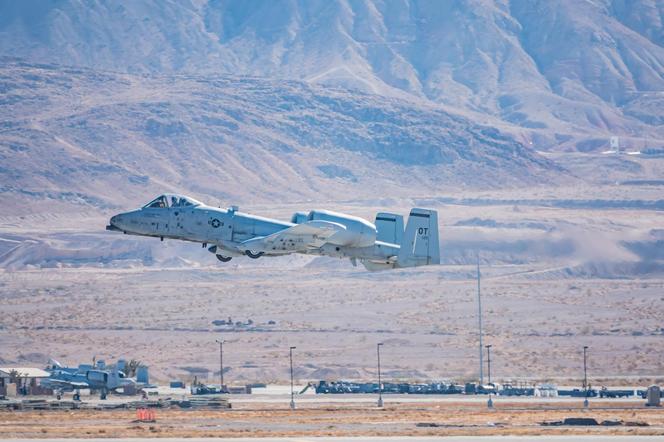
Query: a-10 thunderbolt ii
230	233
93	377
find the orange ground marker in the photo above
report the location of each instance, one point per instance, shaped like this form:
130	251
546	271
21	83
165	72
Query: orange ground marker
146	415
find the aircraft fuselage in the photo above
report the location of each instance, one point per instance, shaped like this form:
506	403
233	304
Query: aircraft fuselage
229	232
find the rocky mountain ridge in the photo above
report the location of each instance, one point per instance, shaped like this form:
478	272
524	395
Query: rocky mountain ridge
568	74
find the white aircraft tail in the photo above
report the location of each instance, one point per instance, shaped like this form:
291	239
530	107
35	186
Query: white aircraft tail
419	245
389	227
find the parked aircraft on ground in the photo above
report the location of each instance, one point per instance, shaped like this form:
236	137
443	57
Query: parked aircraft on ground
230	233
97	377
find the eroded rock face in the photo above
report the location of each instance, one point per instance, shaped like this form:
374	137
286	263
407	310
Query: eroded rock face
84	138
554	68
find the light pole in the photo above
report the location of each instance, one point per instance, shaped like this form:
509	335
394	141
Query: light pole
585	377
479	316
292	394
380	384
488	356
221	362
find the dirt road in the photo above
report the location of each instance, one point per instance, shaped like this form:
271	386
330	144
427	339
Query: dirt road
275	420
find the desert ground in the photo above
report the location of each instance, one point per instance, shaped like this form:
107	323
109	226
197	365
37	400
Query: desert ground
335	319
558	273
396	419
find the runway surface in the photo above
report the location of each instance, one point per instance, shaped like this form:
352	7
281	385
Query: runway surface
417	398
378	439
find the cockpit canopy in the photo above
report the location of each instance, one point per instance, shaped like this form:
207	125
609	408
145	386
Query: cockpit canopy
171	200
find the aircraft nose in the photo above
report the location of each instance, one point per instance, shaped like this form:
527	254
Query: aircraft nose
118	220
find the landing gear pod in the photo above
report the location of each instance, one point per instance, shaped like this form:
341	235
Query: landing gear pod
253	255
222	258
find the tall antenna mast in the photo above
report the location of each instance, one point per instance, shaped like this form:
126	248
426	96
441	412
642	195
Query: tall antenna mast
479	316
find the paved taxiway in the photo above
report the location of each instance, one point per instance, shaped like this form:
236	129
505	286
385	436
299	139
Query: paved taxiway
378	439
415	398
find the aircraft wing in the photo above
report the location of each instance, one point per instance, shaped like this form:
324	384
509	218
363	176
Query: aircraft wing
300	237
60	383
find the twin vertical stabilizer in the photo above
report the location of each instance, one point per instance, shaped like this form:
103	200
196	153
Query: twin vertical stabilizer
419	246
389	227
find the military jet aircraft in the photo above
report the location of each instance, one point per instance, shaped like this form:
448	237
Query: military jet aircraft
85	376
229	233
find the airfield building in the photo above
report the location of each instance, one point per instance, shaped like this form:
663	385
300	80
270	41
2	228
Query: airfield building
21	380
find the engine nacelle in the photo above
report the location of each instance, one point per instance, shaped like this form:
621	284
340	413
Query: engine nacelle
96	376
358	233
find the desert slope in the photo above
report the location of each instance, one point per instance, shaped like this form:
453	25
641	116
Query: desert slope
106	140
